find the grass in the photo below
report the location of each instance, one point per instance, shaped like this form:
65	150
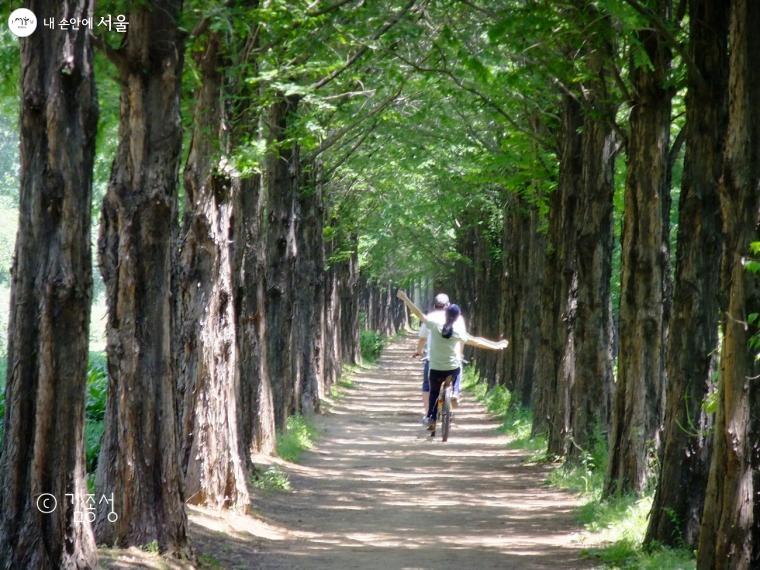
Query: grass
337	390
208	561
516	422
299	435
273	479
618	523
371	344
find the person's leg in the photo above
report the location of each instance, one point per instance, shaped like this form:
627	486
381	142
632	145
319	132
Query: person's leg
436	379
457	388
426	387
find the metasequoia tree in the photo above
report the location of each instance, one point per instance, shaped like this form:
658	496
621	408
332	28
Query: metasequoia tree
139	461
207	368
693	336
637	409
729	536
42	466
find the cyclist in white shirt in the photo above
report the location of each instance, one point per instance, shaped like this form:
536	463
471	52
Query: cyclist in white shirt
440	303
445	332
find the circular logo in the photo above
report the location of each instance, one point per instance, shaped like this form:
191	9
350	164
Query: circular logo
46	503
22	22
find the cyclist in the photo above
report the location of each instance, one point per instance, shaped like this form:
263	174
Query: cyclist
440	303
445	332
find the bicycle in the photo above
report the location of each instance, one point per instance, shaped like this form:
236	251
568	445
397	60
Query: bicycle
445	412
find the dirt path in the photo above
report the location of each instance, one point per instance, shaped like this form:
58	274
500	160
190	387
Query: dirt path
377	492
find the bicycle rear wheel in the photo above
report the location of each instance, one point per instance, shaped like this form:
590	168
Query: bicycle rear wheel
446	419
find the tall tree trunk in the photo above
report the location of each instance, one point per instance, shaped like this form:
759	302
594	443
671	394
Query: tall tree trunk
310	294
281	183
43	451
139	460
693	337
348	281
256	401
728	535
591	390
561	343
637	410
523	246
214	471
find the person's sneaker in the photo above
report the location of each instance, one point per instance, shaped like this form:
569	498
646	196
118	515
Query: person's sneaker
455	400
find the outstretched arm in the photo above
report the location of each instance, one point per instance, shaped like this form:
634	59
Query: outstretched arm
481	342
412	307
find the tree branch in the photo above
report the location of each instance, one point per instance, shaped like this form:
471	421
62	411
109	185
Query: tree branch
327	9
348	128
354	58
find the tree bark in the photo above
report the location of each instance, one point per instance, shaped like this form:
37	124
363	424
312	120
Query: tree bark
638	411
728	535
210	449
281	179
560	345
139	460
310	293
591	391
256	405
693	337
43	450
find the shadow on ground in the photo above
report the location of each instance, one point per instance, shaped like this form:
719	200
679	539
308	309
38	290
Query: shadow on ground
379	493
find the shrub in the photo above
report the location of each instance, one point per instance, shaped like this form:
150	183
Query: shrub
298	436
97	389
273	479
371	344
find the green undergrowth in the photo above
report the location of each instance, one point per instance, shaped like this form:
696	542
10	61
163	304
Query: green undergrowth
338	390
516	421
95	405
272	479
298	436
206	561
371	344
619	523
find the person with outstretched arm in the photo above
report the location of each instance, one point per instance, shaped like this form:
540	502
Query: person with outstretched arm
445	332
440	303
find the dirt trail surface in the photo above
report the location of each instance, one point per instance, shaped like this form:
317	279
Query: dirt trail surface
377	492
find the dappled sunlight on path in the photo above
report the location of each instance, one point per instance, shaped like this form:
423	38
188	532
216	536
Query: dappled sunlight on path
377	492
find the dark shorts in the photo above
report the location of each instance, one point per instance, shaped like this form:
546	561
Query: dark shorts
437	378
426	378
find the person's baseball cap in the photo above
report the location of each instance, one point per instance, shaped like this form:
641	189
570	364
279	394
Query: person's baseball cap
441	299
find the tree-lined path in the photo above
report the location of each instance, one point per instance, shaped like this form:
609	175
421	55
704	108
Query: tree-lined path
376	492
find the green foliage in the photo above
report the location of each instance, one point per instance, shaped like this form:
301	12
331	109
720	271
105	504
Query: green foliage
299	435
97	387
93	432
620	522
517	422
273	479
208	561
371	344
587	474
337	390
